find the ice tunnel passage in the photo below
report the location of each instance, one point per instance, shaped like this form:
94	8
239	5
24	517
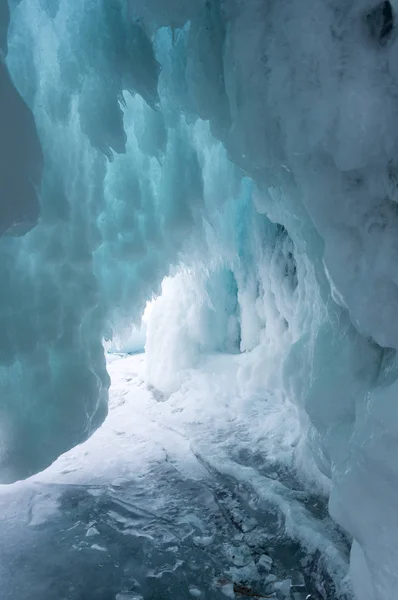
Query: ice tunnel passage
246	151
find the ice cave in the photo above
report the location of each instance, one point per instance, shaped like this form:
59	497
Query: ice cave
198	299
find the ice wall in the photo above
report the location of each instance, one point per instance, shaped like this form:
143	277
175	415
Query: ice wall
122	196
20	153
253	143
310	91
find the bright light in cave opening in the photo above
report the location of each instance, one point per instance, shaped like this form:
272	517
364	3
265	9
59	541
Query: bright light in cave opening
132	338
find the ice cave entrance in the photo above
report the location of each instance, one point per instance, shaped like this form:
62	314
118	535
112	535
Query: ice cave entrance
130	339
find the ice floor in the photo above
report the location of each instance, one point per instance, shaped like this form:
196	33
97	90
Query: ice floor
172	498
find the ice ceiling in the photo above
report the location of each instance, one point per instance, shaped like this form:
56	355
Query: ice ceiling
247	148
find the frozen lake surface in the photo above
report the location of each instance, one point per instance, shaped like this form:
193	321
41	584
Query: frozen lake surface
173	498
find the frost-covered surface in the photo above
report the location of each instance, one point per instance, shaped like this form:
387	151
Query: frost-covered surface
247	149
171	498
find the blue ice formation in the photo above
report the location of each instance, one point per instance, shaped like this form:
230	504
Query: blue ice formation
251	142
20	153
